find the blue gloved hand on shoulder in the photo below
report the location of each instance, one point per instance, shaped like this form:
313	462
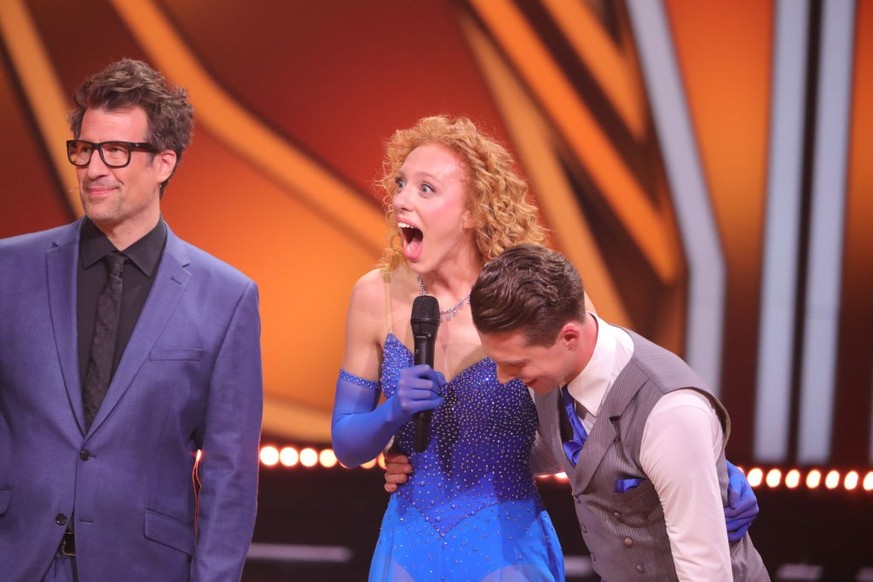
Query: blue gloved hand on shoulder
742	507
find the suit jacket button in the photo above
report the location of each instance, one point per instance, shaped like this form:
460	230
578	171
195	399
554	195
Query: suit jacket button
84	455
61	519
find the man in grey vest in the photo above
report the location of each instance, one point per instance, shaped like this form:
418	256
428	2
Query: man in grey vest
638	433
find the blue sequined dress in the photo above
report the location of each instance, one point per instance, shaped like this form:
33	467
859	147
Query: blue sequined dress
470	510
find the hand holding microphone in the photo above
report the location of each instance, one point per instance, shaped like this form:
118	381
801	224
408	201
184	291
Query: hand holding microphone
425	322
418	391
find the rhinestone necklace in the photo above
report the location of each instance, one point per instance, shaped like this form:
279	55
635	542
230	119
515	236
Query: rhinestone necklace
445	314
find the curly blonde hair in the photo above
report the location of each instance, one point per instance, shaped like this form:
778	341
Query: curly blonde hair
496	193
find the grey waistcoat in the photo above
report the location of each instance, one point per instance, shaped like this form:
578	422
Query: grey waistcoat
626	532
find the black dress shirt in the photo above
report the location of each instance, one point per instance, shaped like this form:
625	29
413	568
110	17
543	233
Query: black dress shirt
143	258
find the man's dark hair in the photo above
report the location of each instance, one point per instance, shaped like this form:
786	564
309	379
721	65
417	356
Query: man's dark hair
528	288
129	83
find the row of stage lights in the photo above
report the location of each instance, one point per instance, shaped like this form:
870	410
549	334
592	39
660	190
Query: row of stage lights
774	478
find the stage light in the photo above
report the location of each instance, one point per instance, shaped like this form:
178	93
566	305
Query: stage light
774	478
850	482
559	477
327	458
269	455
308	457
289	456
755	477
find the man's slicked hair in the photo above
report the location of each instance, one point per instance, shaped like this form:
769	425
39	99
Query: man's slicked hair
528	288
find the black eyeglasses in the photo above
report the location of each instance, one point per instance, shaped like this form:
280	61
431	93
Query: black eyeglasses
115	154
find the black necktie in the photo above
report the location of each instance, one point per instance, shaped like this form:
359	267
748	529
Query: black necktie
98	372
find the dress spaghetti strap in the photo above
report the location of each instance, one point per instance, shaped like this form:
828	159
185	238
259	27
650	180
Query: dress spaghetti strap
389	319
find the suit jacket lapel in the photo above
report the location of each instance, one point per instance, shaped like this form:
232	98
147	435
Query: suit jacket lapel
61	262
603	435
170	281
601	438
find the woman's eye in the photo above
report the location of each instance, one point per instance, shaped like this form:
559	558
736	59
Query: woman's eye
425	187
399	183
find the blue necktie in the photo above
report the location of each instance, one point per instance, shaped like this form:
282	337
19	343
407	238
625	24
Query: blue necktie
573	447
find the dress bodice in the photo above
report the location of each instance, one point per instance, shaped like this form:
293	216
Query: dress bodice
480	441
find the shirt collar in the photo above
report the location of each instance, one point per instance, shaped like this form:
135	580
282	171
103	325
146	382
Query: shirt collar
93	244
144	253
612	350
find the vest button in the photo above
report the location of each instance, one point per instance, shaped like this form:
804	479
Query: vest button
639	568
583	528
61	519
628	542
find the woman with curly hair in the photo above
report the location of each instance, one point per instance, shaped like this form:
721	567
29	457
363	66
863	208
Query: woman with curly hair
470	510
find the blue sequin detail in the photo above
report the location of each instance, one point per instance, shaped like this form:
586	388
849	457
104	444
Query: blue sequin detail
470	507
362	382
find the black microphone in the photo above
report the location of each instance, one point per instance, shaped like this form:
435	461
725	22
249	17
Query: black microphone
425	322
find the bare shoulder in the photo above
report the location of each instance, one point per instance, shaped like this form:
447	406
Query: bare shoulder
365	325
369	291
366	313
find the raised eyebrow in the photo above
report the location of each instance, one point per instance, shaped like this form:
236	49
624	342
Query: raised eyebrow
420	176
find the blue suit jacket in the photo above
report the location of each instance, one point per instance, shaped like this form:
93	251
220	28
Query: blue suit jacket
190	379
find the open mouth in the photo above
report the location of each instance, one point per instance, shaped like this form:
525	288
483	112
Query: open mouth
412	239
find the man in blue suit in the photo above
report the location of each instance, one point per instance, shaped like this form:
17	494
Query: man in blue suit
153	475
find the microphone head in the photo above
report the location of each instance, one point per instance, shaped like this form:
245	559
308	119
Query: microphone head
425	317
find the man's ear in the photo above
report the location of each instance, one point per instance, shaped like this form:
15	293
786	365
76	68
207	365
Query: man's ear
570	334
166	160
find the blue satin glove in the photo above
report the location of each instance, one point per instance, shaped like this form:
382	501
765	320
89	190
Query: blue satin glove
361	430
624	485
742	508
418	389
